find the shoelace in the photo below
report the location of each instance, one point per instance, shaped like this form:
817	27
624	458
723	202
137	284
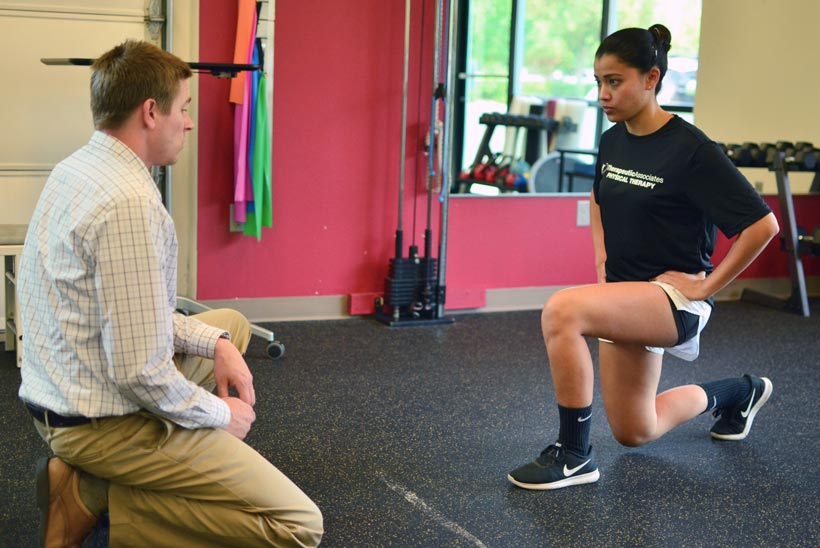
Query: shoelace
726	411
551	453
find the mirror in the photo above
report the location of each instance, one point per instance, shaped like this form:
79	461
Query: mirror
528	57
765	96
539	147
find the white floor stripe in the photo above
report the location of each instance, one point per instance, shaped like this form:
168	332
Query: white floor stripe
431	512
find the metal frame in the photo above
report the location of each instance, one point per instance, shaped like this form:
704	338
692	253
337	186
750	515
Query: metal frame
798	300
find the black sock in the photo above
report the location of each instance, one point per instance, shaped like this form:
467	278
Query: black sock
726	393
573	433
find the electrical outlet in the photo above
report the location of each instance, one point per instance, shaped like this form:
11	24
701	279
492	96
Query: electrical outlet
582	213
234	226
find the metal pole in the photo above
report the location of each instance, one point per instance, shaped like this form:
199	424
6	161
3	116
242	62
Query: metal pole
168	45
399	231
447	167
431	172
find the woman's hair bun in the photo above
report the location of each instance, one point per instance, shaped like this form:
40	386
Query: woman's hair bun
662	36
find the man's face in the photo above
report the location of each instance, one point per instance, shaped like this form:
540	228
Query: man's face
169	136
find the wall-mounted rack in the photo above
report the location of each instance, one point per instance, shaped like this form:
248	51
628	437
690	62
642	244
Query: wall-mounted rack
220	70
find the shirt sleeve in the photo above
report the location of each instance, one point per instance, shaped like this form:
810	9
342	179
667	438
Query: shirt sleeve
194	337
721	191
137	327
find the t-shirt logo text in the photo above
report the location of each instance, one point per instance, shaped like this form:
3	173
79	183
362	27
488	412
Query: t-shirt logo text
630	176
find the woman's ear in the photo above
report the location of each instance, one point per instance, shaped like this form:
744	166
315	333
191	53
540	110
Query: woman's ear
653	77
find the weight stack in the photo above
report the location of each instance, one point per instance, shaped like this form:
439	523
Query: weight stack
401	284
411	292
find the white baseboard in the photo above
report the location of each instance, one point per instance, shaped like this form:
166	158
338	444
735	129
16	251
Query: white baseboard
284	309
533	298
336	307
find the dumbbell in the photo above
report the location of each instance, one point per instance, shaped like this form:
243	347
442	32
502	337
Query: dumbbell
757	153
739	154
800	156
786	147
760	153
803	158
808	244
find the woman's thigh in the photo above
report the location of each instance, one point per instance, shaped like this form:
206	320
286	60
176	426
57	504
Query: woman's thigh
624	312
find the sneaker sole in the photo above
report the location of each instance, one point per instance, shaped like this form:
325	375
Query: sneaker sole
767	392
42	499
589	477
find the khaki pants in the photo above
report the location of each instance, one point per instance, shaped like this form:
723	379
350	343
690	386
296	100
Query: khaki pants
175	487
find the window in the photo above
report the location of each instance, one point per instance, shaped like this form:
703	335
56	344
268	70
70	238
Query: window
486	78
545	49
682	18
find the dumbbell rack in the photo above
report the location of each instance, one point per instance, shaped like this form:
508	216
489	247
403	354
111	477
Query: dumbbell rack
491	121
798	300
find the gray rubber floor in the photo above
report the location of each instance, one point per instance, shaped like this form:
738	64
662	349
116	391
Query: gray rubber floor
404	437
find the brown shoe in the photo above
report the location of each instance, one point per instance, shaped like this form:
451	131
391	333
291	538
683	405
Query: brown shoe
64	520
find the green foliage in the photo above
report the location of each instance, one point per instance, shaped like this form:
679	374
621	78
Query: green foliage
560	39
488	48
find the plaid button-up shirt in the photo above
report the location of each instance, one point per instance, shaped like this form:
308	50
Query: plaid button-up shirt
97	293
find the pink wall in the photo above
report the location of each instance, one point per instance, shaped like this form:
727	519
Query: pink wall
337	114
336	140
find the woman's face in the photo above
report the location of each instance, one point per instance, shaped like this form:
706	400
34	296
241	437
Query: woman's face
622	90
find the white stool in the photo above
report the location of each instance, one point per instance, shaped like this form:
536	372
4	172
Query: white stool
11	246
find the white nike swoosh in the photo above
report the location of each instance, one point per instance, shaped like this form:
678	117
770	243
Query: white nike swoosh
585	418
570	471
715	402
745	414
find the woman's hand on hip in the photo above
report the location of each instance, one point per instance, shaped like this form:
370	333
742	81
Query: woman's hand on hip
691	285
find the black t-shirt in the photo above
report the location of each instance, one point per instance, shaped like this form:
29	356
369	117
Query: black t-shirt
661	197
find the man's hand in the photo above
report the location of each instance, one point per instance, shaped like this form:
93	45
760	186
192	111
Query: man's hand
230	370
242	416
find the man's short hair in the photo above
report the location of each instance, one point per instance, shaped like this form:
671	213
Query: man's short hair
125	76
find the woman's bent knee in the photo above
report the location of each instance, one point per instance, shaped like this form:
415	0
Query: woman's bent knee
558	313
632	437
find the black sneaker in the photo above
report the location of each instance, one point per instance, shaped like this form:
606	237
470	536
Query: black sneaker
735	423
555	468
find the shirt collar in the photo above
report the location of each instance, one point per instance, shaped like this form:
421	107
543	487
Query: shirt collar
109	143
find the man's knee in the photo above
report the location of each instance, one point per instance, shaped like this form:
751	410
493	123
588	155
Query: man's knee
306	526
232	321
312	527
240	327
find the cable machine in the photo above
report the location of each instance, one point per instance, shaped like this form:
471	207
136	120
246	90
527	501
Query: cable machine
415	286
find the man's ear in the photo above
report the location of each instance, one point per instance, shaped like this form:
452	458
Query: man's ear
149	111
